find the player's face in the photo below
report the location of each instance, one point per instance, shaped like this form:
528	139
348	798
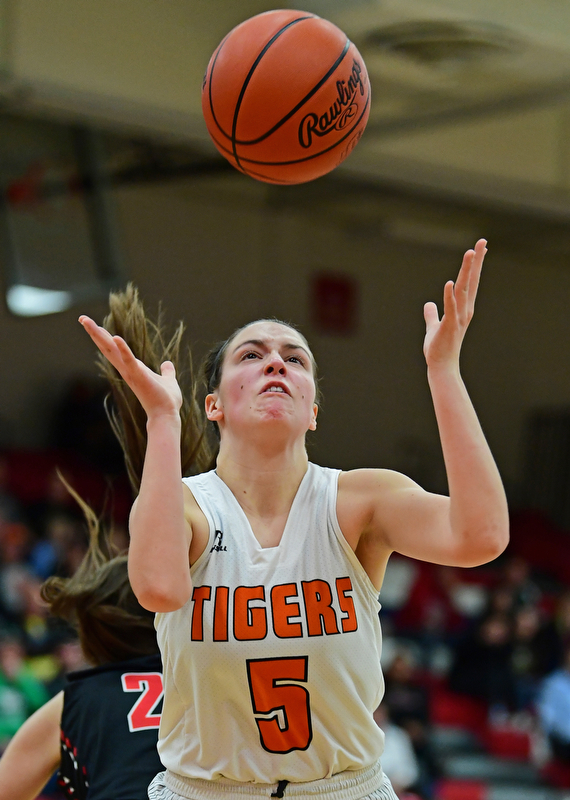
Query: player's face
267	377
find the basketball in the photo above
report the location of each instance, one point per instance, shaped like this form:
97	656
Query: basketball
286	97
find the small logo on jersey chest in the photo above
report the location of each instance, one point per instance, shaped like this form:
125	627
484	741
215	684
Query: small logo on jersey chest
218	545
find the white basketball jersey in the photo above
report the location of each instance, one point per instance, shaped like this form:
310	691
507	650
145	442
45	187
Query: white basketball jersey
272	668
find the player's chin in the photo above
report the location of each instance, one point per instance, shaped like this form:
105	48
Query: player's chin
279	415
276	414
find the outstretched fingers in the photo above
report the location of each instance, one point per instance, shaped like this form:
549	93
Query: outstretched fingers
451	312
431	315
467	282
444	336
168	372
114	348
157	392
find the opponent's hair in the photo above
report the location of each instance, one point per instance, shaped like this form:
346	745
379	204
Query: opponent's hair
98	602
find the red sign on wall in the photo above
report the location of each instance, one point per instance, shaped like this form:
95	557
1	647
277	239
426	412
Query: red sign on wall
334	303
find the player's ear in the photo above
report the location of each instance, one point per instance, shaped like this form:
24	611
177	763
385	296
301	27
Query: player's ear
213	407
313	423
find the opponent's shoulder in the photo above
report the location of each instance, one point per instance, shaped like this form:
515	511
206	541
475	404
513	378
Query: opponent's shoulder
43	722
51	711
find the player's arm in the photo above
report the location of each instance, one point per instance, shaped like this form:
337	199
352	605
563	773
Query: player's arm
477	520
381	512
469	527
33	753
160	529
159	525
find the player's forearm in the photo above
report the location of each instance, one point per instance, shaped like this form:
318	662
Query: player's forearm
158	551
478	506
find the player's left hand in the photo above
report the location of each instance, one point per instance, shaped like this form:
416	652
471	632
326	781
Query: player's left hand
444	336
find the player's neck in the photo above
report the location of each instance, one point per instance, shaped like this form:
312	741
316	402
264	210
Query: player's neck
263	485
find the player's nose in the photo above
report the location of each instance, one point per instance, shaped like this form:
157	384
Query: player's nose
275	364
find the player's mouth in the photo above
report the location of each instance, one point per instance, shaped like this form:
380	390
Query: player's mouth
276	388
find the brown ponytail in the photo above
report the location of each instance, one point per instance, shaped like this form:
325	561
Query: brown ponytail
150	344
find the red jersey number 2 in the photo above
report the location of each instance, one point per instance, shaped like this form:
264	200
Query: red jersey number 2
281	707
141	717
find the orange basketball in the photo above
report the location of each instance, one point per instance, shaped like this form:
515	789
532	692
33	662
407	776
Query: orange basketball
286	97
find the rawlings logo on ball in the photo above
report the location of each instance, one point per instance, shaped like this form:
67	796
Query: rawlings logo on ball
342	111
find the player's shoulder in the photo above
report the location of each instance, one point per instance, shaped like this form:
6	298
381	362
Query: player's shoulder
365	480
361	493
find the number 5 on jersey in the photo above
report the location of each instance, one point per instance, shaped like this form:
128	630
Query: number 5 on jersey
281	707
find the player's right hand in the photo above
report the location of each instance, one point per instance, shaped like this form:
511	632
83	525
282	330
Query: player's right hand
157	393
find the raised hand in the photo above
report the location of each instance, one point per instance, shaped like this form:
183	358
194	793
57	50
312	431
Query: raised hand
157	393
444	337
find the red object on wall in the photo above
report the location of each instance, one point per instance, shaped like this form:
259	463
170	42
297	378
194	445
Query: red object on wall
334	303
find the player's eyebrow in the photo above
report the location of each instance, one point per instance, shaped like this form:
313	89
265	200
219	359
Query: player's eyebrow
263	344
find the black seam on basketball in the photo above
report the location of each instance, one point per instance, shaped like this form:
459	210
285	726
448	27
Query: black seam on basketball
271	178
301	103
250	73
218	51
210	85
253	174
246	160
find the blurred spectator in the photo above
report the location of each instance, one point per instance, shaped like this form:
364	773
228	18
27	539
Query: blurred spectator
61	549
406	700
56	503
40	630
516	577
501	600
431	614
20	692
401	574
405	697
15	546
534	653
73	552
482	667
398	758
553	708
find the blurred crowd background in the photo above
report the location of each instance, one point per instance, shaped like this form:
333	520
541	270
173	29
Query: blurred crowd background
480	656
